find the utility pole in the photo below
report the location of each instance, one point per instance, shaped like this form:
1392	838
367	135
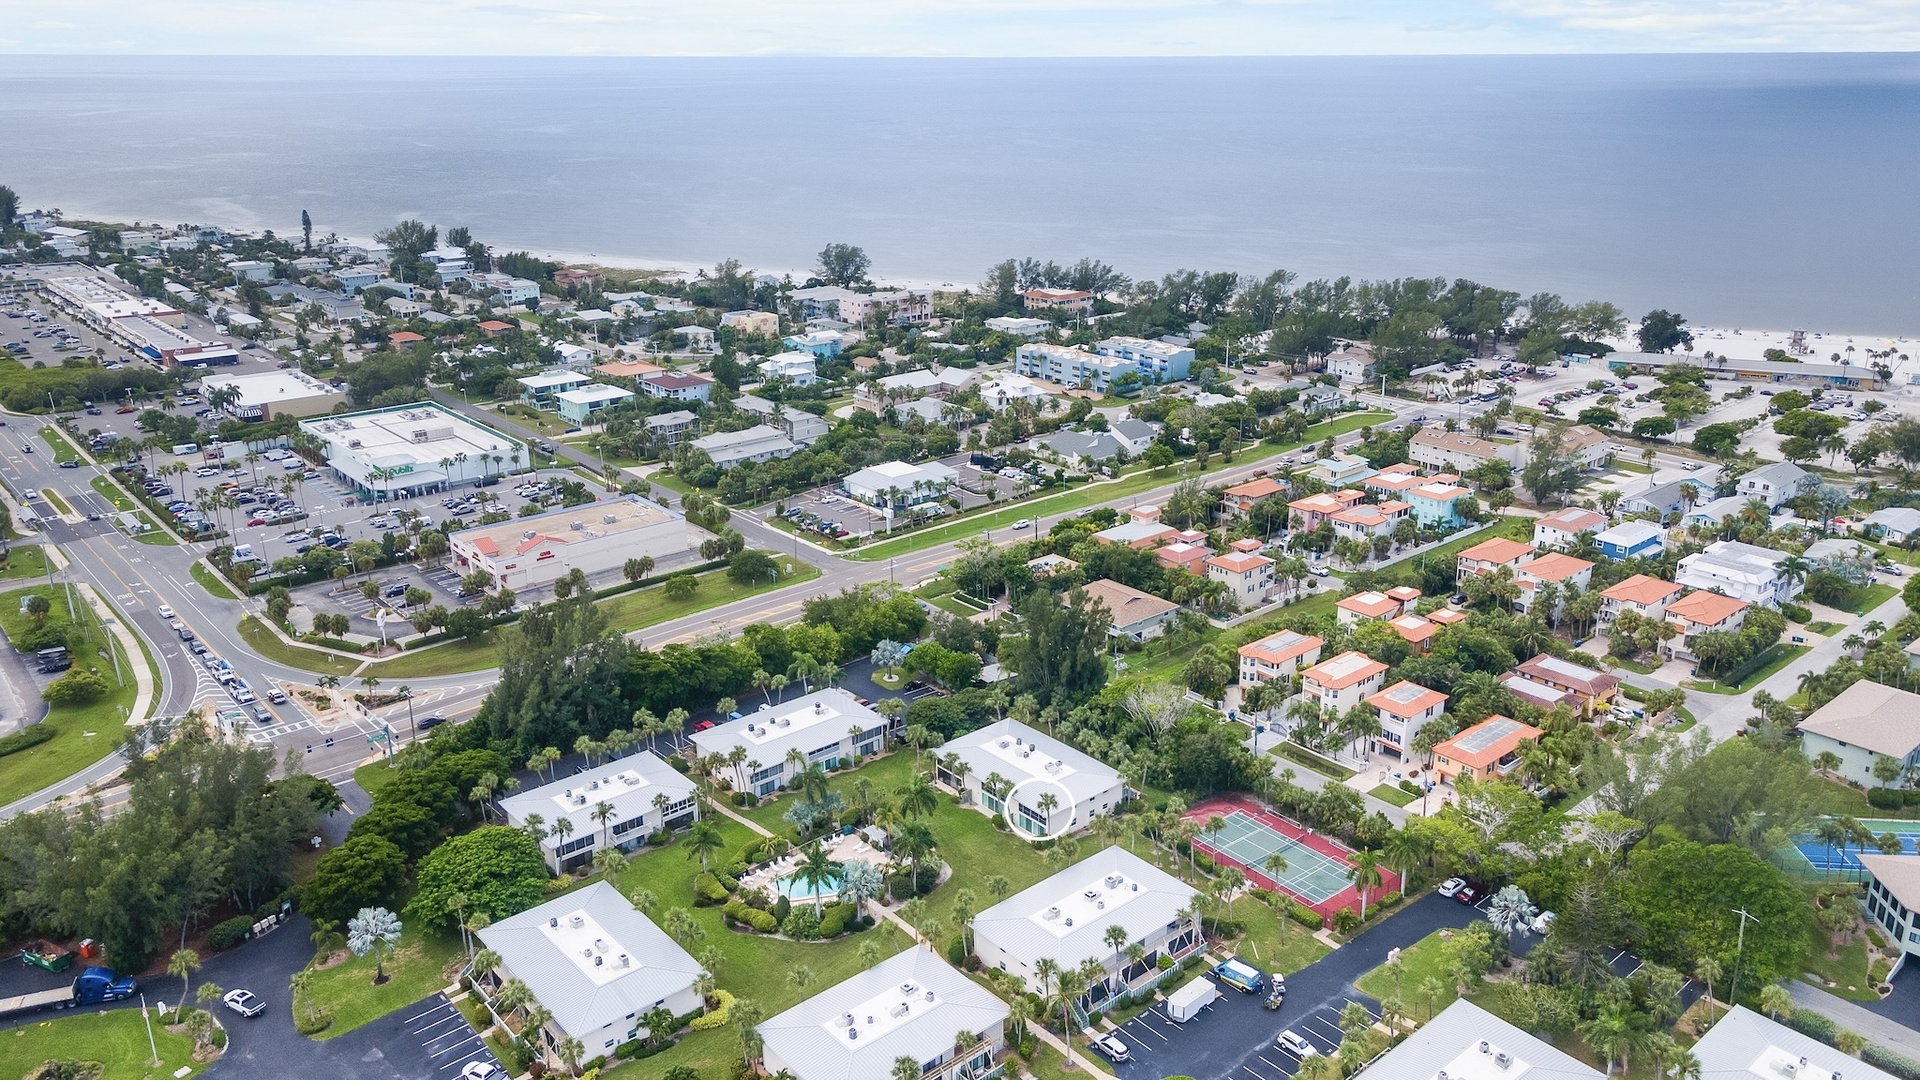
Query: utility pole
1740	952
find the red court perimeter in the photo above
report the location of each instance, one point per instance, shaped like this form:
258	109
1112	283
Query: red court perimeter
1317	866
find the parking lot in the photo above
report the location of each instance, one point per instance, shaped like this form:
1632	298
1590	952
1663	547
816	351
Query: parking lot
449	1041
825	512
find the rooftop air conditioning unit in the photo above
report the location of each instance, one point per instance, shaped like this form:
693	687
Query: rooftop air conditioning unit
1092	894
1026	753
600	944
907	989
611	519
819	708
1503	1059
1788	1068
1069	922
1053	913
594	786
528	535
554	922
1003	744
1483	1046
1114	880
785	722
577	921
599	960
586	952
929	995
898	1010
576	526
845	1021
853	1033
579	800
624	962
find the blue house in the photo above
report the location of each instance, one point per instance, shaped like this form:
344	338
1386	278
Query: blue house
823	344
354	278
1631	538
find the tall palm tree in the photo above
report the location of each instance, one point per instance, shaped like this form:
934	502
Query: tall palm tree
819	873
603	814
374	930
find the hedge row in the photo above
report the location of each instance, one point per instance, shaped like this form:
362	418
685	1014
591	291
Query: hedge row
1881	798
762	921
26	738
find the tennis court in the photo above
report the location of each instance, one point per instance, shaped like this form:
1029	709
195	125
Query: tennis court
1845	859
1318	873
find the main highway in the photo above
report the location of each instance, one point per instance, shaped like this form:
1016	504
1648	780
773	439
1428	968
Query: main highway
138	578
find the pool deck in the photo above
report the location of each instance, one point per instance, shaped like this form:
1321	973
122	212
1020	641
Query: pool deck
841	848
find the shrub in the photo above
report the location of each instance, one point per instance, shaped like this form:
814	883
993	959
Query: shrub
1000	822
26	738
729	880
900	885
1385	900
660	837
1205	864
956	951
1303	914
679	763
232	932
1165	962
1904	1068
1796	613
801	924
738	798
1812	1023
752	799
1345	920
926	879
310	1022
781	907
762	921
716	1016
707	890
834	922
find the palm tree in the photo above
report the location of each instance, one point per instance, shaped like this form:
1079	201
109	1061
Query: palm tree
917	796
375	930
603	814
906	1068
703	840
1775	1001
571	1050
326	939
818	872
1708	971
182	964
1509	910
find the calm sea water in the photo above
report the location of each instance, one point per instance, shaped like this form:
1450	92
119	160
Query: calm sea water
1742	190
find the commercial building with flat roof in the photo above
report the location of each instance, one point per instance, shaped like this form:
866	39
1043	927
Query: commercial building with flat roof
410	450
829	727
632	786
1009	766
911	1006
593	539
894	484
264	395
595	963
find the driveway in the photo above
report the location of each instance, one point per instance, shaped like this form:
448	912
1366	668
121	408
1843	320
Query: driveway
1234	1038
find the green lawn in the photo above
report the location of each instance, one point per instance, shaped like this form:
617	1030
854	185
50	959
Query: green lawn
1632	466
1418	963
1823	628
1289	750
54	500
413	971
86	733
1390	793
261	639
1845	968
121	502
1273	942
212	582
751	967
1873	596
116	1039
533	419
1782	655
373	776
24	562
62	448
1094	494
112	492
626	612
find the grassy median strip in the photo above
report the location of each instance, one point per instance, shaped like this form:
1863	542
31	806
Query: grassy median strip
1095	494
24	562
261	639
62	449
211	582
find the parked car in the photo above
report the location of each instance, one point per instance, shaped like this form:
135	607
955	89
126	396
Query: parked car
1295	1045
1110	1045
245	1002
1451	886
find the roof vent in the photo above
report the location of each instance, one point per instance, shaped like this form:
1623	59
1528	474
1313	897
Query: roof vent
852	1034
1136	886
1503	1059
1069	922
1483	1046
600	944
624	962
819	708
594	786
610	519
576	526
1442	1076
1100	904
554	922
599	960
929	995
577	921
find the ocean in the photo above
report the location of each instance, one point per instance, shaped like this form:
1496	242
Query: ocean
1755	190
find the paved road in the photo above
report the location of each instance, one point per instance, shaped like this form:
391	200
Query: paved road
1233	1040
1883	1023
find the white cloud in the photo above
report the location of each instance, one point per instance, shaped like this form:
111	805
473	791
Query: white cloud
964	27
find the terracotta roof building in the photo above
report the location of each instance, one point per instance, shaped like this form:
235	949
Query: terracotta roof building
1489	747
1277	656
1344	681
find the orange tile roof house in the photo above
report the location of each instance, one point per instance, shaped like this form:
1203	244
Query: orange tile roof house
494	327
1368	520
1562	528
1643	595
1488	747
1239	499
1447	616
1417	631
1184	555
1277	656
1538	694
1553	567
1369	605
1405	708
404	338
1248	577
628	369
1137	615
1489	555
1313	509
1595	689
1344	681
1699	612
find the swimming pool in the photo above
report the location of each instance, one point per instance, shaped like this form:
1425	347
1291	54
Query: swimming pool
793	888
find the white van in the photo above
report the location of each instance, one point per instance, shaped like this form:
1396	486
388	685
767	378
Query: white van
185	448
245	553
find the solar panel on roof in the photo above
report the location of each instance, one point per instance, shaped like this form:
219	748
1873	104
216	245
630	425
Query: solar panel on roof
1485	737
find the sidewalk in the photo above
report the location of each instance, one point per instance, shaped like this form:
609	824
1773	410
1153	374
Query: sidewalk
145	693
1314	781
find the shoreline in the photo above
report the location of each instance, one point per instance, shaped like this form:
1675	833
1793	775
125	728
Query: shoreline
1743	343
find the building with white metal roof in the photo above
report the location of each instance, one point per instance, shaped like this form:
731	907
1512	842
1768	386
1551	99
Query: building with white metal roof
1009	766
595	963
910	1006
263	395
1745	1045
899	484
412	450
1466	1042
633	787
1065	919
829	727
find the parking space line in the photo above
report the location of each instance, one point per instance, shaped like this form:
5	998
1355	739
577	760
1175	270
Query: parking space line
470	1039
465	1032
1263	1057
435	1022
427	1012
469	1056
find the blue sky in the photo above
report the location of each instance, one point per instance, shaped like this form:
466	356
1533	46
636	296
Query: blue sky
955	27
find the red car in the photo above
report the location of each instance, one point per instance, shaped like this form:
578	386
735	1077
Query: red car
1467	894
125	409
702	725
256	523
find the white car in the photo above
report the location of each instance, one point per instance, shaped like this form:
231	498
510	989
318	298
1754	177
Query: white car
1295	1045
1112	1047
1451	885
245	1002
1023	523
165	611
481	1070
